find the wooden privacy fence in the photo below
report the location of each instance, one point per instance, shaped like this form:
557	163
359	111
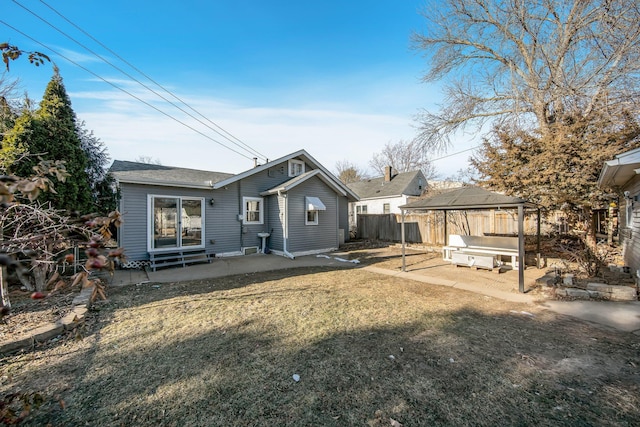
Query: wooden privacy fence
428	227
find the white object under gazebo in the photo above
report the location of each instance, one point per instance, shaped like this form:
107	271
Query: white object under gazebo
474	198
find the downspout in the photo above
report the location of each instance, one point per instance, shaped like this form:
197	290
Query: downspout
338	221
285	226
404	263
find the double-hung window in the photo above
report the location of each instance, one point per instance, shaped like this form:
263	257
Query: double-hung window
253	210
175	222
296	167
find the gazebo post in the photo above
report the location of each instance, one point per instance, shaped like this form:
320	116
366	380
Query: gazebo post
402	233
445	228
538	241
521	254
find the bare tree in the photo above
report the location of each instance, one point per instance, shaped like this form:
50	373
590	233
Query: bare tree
533	62
348	172
403	156
148	160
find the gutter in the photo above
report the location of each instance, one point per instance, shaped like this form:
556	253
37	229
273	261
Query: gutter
203	186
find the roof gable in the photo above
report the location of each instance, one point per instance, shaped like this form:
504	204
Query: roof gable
294	182
300	154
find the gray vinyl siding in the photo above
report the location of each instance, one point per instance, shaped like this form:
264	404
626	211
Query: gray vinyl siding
222	224
132	234
276	205
135	215
312	237
631	244
343	216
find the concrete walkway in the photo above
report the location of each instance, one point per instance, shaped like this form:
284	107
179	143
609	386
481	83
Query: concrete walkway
623	316
473	287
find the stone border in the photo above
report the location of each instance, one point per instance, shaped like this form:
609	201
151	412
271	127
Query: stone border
44	333
593	290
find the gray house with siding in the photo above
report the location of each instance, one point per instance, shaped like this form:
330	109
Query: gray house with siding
622	174
294	200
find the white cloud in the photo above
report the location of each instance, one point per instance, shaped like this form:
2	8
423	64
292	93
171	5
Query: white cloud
329	132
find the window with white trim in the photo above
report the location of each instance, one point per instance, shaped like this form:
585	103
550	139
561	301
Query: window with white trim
253	210
296	167
386	208
629	211
313	206
175	222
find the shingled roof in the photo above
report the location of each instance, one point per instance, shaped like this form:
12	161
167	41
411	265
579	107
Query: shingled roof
469	197
145	173
379	188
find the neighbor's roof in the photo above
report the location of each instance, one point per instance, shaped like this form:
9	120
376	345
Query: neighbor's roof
467	198
619	171
150	174
376	188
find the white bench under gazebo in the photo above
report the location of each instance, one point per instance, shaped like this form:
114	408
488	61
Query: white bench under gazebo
478	251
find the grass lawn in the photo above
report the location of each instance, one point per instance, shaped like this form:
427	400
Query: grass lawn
368	350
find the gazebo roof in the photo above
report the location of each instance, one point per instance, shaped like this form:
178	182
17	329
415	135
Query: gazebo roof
467	198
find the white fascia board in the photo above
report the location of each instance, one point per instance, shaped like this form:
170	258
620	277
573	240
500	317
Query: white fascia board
257	169
204	186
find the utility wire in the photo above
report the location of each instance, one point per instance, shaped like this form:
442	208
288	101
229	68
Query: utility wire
149	78
244	146
125	91
455	154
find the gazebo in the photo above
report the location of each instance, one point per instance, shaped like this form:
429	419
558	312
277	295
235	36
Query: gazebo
474	198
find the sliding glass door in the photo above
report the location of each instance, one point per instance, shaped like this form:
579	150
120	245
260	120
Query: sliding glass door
175	222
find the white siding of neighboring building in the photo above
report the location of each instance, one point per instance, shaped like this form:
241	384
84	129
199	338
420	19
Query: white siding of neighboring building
631	244
376	206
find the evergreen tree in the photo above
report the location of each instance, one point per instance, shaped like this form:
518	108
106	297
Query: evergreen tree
54	137
7	117
102	183
16	136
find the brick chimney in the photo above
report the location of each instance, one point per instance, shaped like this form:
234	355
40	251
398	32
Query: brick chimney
387	173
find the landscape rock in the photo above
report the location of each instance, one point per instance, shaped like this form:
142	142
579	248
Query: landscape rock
16	344
47	332
577	293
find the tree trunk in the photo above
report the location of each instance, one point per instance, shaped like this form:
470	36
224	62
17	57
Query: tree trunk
590	231
40	276
611	223
4	288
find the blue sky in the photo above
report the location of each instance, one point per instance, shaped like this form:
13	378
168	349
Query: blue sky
337	78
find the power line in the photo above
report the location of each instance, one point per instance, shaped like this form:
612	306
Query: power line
228	135
455	154
125	91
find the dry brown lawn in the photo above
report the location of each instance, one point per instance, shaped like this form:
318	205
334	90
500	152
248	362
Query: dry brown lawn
368	350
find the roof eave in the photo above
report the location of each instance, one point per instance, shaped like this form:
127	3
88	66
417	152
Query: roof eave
161	183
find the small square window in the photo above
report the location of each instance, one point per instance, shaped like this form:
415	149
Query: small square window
296	167
386	208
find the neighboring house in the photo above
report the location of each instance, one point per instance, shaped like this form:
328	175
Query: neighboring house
385	194
294	199
623	174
